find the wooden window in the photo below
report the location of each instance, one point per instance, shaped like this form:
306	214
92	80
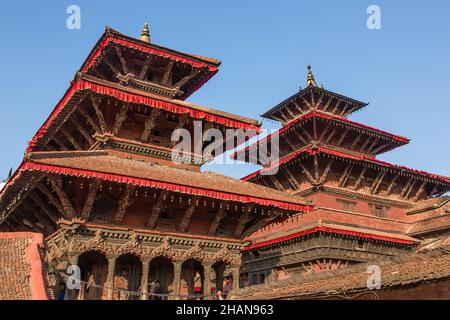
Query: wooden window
379	210
346	205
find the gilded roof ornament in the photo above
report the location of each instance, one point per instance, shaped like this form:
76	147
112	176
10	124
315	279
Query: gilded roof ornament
145	35
310	81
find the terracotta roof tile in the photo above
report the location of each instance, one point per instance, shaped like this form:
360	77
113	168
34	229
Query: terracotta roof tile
21	267
145	170
395	272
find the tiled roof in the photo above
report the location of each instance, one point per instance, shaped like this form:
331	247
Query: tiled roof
395	272
137	171
269	238
22	271
429	204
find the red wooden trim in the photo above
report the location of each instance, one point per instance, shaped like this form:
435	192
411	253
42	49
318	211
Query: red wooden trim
32	166
347	156
323	116
328	230
147	50
136	98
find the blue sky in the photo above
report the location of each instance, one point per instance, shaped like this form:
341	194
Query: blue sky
402	70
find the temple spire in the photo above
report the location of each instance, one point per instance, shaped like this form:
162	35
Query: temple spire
310	81
145	35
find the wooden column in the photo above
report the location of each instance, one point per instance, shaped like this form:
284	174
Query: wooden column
144	278
235	273
177	279
207	281
110	277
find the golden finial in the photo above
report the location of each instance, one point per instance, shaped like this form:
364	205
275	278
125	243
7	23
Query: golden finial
311	82
145	35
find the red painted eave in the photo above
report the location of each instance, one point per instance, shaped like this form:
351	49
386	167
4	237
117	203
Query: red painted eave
328	230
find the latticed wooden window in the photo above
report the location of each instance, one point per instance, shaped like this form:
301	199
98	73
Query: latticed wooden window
104	210
379	210
346	205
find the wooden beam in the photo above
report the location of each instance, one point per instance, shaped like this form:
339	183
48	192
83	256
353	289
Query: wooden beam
326	171
289	142
331	135
372	145
343	179
325	108
299	108
292	180
111	65
316	167
52	200
300	137
419	191
90	199
406	187
358	181
308	174
150	123
157	207
145	66
341	139
167	76
43	222
96	101
121	116
310	107
220	214
59	143
336	106
410	189
363	147
277	183
379	148
83	131
89	119
184	223
194	72
243	219
325	131
44	208
392	184
377	182
71	139
121	59
125	201
57	185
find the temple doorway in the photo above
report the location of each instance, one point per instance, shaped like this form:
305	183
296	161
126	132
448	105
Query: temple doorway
192	277
94	270
127	277
161	270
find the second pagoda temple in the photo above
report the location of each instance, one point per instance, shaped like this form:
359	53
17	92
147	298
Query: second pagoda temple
365	208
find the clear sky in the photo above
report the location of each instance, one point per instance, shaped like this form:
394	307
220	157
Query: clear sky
402	70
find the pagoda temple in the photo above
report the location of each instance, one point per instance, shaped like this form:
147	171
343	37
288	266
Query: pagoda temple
98	180
365	209
98	189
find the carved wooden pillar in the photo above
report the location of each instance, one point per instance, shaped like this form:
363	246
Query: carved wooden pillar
177	279
235	273
110	277
207	281
144	278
